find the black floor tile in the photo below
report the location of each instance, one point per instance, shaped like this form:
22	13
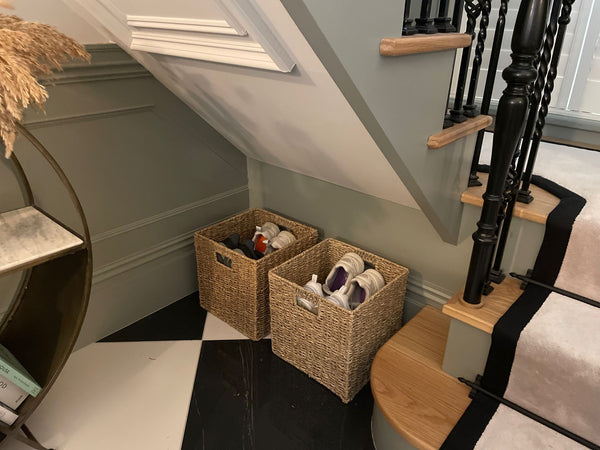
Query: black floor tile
182	320
245	397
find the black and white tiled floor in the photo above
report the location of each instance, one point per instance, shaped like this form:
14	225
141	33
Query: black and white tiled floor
183	379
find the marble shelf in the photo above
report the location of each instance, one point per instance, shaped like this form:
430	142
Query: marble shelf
29	237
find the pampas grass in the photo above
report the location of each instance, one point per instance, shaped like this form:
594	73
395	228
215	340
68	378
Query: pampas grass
28	50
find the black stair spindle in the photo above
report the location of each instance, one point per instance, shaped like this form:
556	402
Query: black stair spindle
457	13
408	28
473	9
512	111
489	87
470	110
563	21
443	23
495	274
424	21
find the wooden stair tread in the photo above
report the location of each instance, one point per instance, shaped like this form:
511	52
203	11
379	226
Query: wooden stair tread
421	402
458	131
29	237
494	306
536	211
423	43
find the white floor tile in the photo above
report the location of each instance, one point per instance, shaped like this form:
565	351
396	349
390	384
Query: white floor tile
119	396
217	330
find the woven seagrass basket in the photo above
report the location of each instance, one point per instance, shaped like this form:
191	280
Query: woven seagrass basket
335	346
236	288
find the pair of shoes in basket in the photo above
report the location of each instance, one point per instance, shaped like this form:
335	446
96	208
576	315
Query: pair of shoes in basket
348	283
245	248
269	238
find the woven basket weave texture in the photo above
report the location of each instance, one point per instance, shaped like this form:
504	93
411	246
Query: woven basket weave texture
336	346
239	294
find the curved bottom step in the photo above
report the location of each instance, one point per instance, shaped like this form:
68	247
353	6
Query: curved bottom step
417	399
384	435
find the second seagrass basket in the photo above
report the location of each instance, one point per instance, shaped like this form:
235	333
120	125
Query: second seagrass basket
333	345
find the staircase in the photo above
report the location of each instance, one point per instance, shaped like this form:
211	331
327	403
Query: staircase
414	376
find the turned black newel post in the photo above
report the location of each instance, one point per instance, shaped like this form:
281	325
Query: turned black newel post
496	274
563	21
538	87
470	108
443	23
424	21
408	28
510	118
473	9
489	87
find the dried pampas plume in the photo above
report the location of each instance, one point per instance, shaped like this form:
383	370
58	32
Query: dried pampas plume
28	50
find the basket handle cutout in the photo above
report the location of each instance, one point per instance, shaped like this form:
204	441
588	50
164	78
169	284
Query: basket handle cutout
226	261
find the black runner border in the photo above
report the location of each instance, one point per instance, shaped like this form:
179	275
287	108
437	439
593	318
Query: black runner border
507	330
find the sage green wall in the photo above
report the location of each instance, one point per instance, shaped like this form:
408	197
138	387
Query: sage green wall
148	171
399	233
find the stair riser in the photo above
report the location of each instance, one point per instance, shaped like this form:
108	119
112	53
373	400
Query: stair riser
467	350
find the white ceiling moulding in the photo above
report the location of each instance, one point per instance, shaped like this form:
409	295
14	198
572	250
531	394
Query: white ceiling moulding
243	38
179	24
194	46
247	13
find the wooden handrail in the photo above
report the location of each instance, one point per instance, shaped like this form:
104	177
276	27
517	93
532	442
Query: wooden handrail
419	43
458	131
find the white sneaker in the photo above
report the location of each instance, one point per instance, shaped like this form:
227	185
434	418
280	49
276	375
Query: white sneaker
340	297
364	286
314	287
263	235
349	266
282	239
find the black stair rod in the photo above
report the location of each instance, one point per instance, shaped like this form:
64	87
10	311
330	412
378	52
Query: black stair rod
424	21
558	290
470	108
408	28
531	415
489	87
443	23
473	9
512	112
564	19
